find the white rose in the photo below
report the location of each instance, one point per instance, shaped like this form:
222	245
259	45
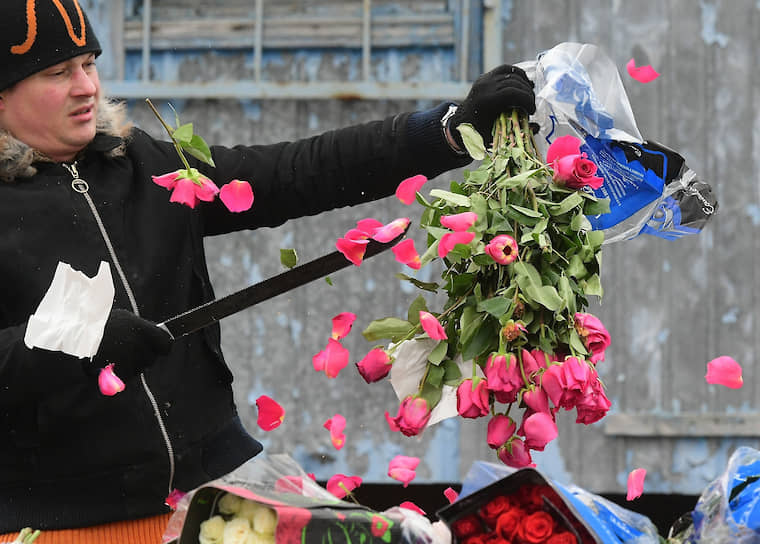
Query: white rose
212	531
236	531
258	538
230	504
248	509
265	520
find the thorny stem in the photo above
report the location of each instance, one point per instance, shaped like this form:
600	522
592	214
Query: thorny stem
171	134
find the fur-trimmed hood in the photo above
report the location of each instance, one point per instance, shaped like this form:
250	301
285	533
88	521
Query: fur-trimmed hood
17	158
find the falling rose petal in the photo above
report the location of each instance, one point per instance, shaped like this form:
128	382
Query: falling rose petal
352	249
407	190
341	485
172	500
635	483
724	371
409	505
336	425
642	74
451	495
375	365
402	468
167	180
406	253
108	382
368	226
332	359
356	235
271	414
459	222
390	231
451	239
432	326
237	195
184	193
563	146
392	422
341	324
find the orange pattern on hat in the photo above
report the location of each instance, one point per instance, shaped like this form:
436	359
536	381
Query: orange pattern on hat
31	34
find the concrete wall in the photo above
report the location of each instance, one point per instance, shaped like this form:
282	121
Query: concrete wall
670	306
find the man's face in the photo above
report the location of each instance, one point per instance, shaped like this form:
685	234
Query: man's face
54	110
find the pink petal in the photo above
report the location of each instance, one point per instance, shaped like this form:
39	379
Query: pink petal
352	249
635	483
451	495
167	180
390	231
332	359
336	425
341	324
409	505
459	222
406	253
341	485
539	429
642	74
432	326
392	425
271	414
407	190
375	365
404	461
207	190
562	146
108	382
402	468
368	226
451	239
184	193
356	235
237	195
172	500
724	371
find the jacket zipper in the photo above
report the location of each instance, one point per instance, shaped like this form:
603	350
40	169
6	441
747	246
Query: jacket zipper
82	187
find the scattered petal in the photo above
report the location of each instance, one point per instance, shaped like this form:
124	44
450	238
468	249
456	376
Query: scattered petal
432	326
402	468
341	324
336	425
642	74
368	226
108	382
352	249
207	190
724	371
409	505
451	495
332	359
167	180
341	485
407	190
390	231
406	253
237	195
635	483
271	414
451	239
172	500
459	222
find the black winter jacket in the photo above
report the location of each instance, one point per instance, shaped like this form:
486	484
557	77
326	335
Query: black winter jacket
71	457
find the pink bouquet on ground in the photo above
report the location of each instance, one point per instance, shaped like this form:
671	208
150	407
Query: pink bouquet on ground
520	261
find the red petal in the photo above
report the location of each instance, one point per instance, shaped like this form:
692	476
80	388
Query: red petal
642	74
724	371
635	483
409	505
459	222
450	240
167	180
407	190
368	226
341	324
352	249
184	193
237	195
391	230
271	414
406	253
450	494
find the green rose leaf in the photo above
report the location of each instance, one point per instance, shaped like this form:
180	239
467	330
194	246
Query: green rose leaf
198	148
593	286
452	375
431	393
473	141
390	328
597	207
438	354
425	286
567	204
413	315
452	198
184	133
496	306
288	257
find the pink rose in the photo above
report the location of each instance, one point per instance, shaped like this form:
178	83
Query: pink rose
571	167
515	454
375	365
539	429
413	415
503	377
594	335
500	429
472	398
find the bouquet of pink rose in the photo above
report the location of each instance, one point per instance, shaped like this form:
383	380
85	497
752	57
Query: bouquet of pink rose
519	262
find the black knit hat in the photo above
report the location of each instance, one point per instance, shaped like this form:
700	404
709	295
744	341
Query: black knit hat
40	33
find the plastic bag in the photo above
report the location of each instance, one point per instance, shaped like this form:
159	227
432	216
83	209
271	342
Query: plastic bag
607	522
728	511
306	512
650	188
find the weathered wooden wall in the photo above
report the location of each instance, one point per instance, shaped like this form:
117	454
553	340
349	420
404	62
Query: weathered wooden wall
670	306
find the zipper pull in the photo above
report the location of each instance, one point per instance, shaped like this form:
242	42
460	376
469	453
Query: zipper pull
78	184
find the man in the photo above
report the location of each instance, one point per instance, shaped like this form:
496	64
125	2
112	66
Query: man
76	188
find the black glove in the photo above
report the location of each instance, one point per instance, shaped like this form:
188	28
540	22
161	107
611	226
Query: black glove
500	90
131	343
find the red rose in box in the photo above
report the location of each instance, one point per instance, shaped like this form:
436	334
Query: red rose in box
520	509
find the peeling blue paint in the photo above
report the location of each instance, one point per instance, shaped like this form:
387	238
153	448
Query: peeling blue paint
710	34
442	456
753	211
731	316
369	285
551	463
663	336
506	10
296	329
252	109
666	266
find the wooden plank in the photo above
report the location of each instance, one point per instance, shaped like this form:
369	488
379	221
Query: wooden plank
295	32
683	425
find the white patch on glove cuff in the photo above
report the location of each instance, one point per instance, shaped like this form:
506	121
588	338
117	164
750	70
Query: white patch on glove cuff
73	313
